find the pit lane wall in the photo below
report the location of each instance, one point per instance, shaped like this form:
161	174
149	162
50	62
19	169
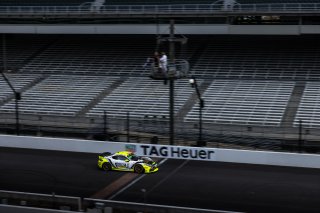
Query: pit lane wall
164	151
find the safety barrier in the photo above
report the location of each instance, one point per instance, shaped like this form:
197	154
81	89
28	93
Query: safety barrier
13	201
165	151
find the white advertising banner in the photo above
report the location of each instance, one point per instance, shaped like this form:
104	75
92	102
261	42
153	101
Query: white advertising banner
165	151
176	152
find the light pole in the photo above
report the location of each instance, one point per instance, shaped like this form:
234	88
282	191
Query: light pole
176	70
17	95
194	84
171	82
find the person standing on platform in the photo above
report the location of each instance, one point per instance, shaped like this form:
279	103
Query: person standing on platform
163	63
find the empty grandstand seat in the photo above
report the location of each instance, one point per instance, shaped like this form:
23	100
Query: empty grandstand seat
102	55
309	107
275	1
244	102
64	95
263	57
142	97
19	83
155	2
20	49
94	55
41	2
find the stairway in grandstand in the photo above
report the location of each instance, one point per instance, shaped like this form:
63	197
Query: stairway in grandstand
19	51
142	97
309	108
20	83
203	85
101	95
293	104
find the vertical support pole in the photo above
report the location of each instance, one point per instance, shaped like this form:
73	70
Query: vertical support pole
17	98
80	204
171	42
300	136
171	83
17	95
105	124
128	126
194	83
200	123
171	112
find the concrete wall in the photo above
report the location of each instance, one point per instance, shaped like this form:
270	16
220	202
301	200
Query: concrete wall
165	151
161	29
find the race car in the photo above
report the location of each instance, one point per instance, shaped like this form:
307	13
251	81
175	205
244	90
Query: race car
126	161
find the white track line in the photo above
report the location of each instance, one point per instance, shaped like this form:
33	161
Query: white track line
164	179
133	182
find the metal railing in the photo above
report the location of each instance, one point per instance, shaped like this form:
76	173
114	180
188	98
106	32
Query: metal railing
162	9
45	201
144	130
145	207
76	204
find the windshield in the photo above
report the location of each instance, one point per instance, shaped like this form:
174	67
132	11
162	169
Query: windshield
133	157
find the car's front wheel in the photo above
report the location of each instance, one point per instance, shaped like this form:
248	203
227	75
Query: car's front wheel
106	166
138	169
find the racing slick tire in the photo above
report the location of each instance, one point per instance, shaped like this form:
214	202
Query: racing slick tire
138	169
106	166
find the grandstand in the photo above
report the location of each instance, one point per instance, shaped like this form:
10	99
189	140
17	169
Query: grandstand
20	82
250	83
245	102
261	57
308	111
142	97
97	55
19	51
61	95
41	2
245	80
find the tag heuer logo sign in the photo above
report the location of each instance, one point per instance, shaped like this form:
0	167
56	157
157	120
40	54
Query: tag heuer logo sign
177	152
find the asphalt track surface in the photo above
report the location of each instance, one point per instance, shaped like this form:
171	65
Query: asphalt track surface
197	184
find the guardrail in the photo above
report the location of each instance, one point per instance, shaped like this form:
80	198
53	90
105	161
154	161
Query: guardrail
45	201
162	9
145	207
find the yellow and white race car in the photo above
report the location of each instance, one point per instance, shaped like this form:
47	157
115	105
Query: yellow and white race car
126	161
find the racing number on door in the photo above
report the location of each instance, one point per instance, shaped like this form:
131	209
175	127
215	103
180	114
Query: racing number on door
122	165
121	162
